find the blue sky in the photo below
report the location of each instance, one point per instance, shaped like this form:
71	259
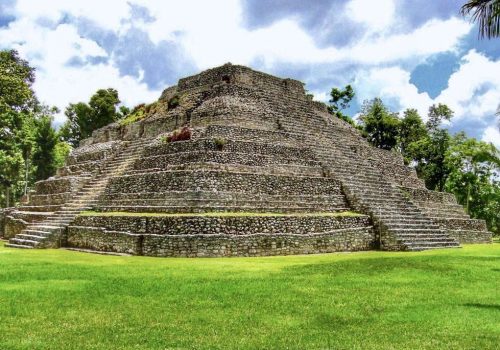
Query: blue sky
411	53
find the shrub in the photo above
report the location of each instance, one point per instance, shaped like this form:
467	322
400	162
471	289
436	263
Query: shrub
173	102
139	112
164	138
219	143
180	135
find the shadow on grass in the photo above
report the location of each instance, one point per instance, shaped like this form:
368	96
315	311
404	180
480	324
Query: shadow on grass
483	306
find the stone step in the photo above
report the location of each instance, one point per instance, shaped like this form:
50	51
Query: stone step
381	213
379	189
66	219
394	226
58	222
75	209
19	246
366	184
42	227
398	231
26	236
34	232
411	220
63	214
424	236
99	252
389	207
430	243
396	213
422	248
386	201
26	242
39	208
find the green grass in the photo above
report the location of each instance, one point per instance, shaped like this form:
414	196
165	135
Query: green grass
214	214
57	299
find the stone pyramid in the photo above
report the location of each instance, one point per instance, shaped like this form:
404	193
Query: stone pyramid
255	168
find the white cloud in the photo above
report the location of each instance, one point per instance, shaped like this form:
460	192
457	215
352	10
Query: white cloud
63	86
491	134
107	14
474	89
50	49
213	35
432	38
391	85
377	15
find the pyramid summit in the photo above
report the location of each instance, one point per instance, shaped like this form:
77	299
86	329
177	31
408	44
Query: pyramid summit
235	162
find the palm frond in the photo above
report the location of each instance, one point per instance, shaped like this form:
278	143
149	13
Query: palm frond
486	13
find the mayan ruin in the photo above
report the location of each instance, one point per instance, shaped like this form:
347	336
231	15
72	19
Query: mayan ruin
234	162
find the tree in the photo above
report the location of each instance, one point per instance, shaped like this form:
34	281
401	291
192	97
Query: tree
411	129
16	79
26	135
78	124
46	141
429	152
437	114
380	125
487	14
339	101
17	107
84	118
61	152
474	178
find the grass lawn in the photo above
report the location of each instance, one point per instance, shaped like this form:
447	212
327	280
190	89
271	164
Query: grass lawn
57	299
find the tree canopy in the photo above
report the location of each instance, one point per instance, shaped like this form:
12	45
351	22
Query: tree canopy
466	167
16	79
339	100
83	118
411	129
380	125
27	138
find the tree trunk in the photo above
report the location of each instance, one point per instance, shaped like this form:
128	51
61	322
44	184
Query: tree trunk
7	197
26	173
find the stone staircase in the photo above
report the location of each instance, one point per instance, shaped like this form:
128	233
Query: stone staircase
49	232
401	225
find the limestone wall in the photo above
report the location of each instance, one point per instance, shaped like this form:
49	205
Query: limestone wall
222	181
234	225
233	74
12	226
222	236
471	236
57	185
3	214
